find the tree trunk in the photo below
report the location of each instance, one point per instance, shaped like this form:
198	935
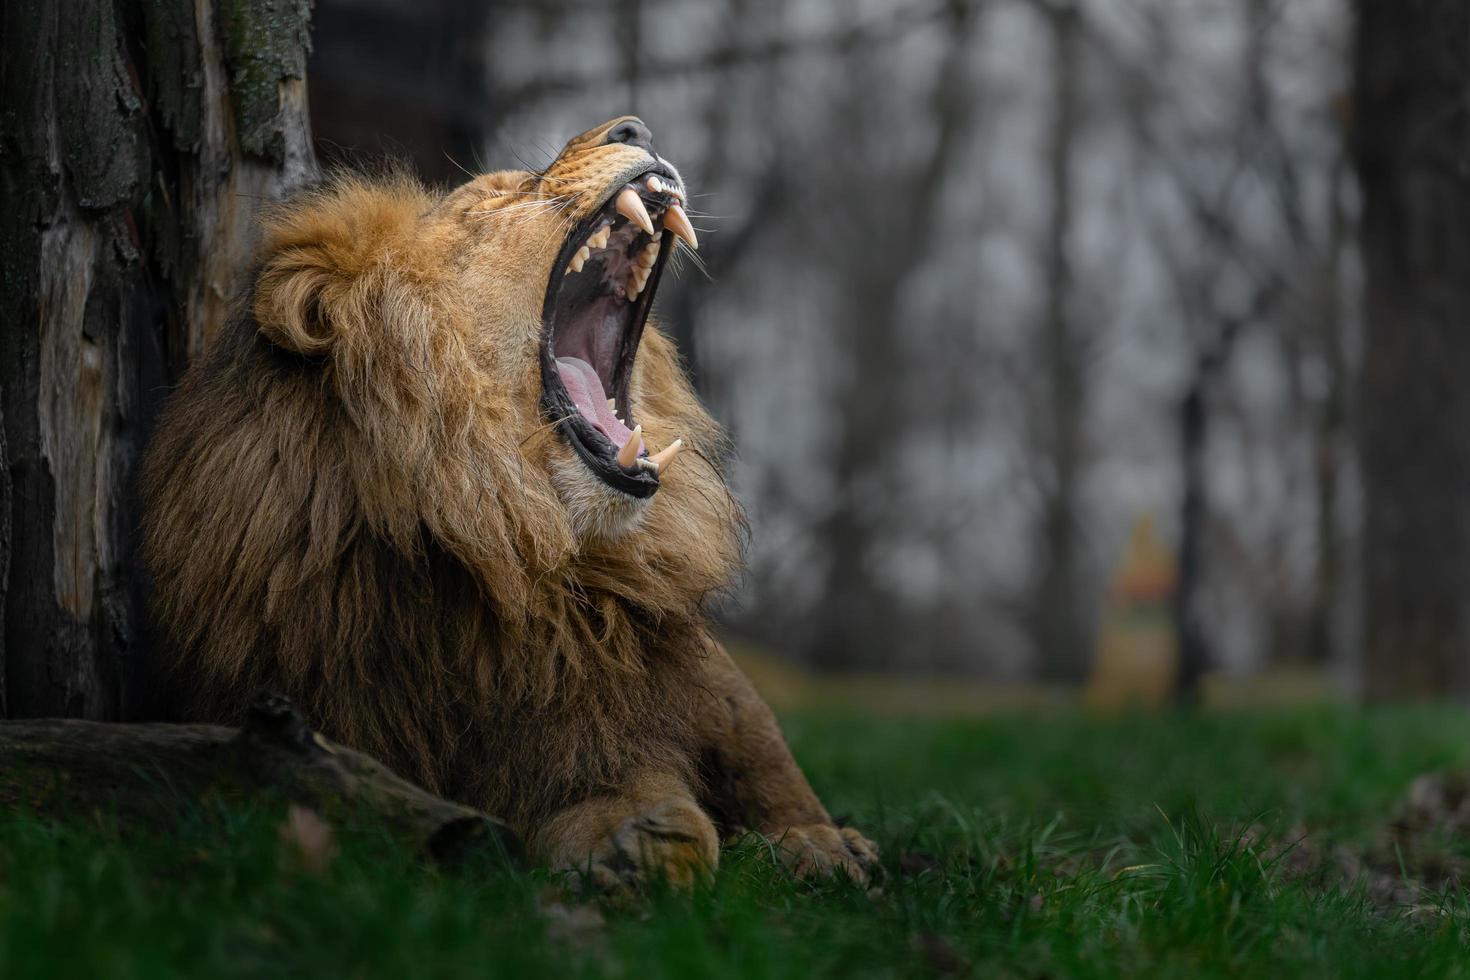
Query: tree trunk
1412	147
139	139
1331	431
856	617
1194	651
1061	640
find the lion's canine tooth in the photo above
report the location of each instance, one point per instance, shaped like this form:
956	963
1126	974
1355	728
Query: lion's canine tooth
677	221
630	206
599	237
663	458
629	452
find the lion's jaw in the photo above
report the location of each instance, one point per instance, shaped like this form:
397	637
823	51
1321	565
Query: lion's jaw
596	510
600	222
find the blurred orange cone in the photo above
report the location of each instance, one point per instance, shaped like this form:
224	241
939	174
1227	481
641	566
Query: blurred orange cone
1138	652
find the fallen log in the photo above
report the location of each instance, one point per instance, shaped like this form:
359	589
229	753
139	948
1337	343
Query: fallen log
144	772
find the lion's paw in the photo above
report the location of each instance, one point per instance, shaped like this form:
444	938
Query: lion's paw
822	850
673	841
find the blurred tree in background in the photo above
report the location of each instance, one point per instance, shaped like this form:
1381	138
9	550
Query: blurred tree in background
1413	153
986	284
402	81
1134	294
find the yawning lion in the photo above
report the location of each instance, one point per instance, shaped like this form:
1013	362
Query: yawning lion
443	485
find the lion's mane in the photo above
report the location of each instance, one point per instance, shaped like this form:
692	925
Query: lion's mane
348	501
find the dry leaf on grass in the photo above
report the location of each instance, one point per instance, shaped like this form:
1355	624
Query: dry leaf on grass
307	841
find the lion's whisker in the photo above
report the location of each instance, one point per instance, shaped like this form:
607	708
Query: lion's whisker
685	252
526	209
528	205
543	429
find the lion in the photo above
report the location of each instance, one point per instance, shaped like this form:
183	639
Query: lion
443	483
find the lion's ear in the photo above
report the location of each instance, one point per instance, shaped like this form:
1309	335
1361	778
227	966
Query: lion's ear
318	253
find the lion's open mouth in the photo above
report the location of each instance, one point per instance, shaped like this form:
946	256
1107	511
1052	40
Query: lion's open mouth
602	287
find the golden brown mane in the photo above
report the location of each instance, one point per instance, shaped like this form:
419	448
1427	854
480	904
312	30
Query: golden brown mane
350	500
407	488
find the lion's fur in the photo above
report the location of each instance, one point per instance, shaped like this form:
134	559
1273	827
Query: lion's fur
350	500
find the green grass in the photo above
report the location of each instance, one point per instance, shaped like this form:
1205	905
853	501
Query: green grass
1048	846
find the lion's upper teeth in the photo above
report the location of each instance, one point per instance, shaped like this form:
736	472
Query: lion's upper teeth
654	184
649	255
580	258
630	206
599	237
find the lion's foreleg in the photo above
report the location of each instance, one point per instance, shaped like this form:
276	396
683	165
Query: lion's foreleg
755	783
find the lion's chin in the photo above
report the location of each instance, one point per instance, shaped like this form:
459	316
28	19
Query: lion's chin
597	511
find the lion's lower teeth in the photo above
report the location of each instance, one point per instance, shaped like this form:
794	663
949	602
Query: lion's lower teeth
629	452
663	458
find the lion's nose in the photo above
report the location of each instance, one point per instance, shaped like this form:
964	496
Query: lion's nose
633	132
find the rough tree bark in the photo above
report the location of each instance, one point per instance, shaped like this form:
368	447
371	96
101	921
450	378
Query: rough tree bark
138	140
1412	147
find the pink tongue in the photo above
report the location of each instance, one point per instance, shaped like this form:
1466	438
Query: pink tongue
585	387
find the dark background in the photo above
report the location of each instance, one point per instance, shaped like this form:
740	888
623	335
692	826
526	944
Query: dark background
992	285
1113	346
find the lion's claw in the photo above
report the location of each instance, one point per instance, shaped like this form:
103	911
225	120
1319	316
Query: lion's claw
822	850
672	841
